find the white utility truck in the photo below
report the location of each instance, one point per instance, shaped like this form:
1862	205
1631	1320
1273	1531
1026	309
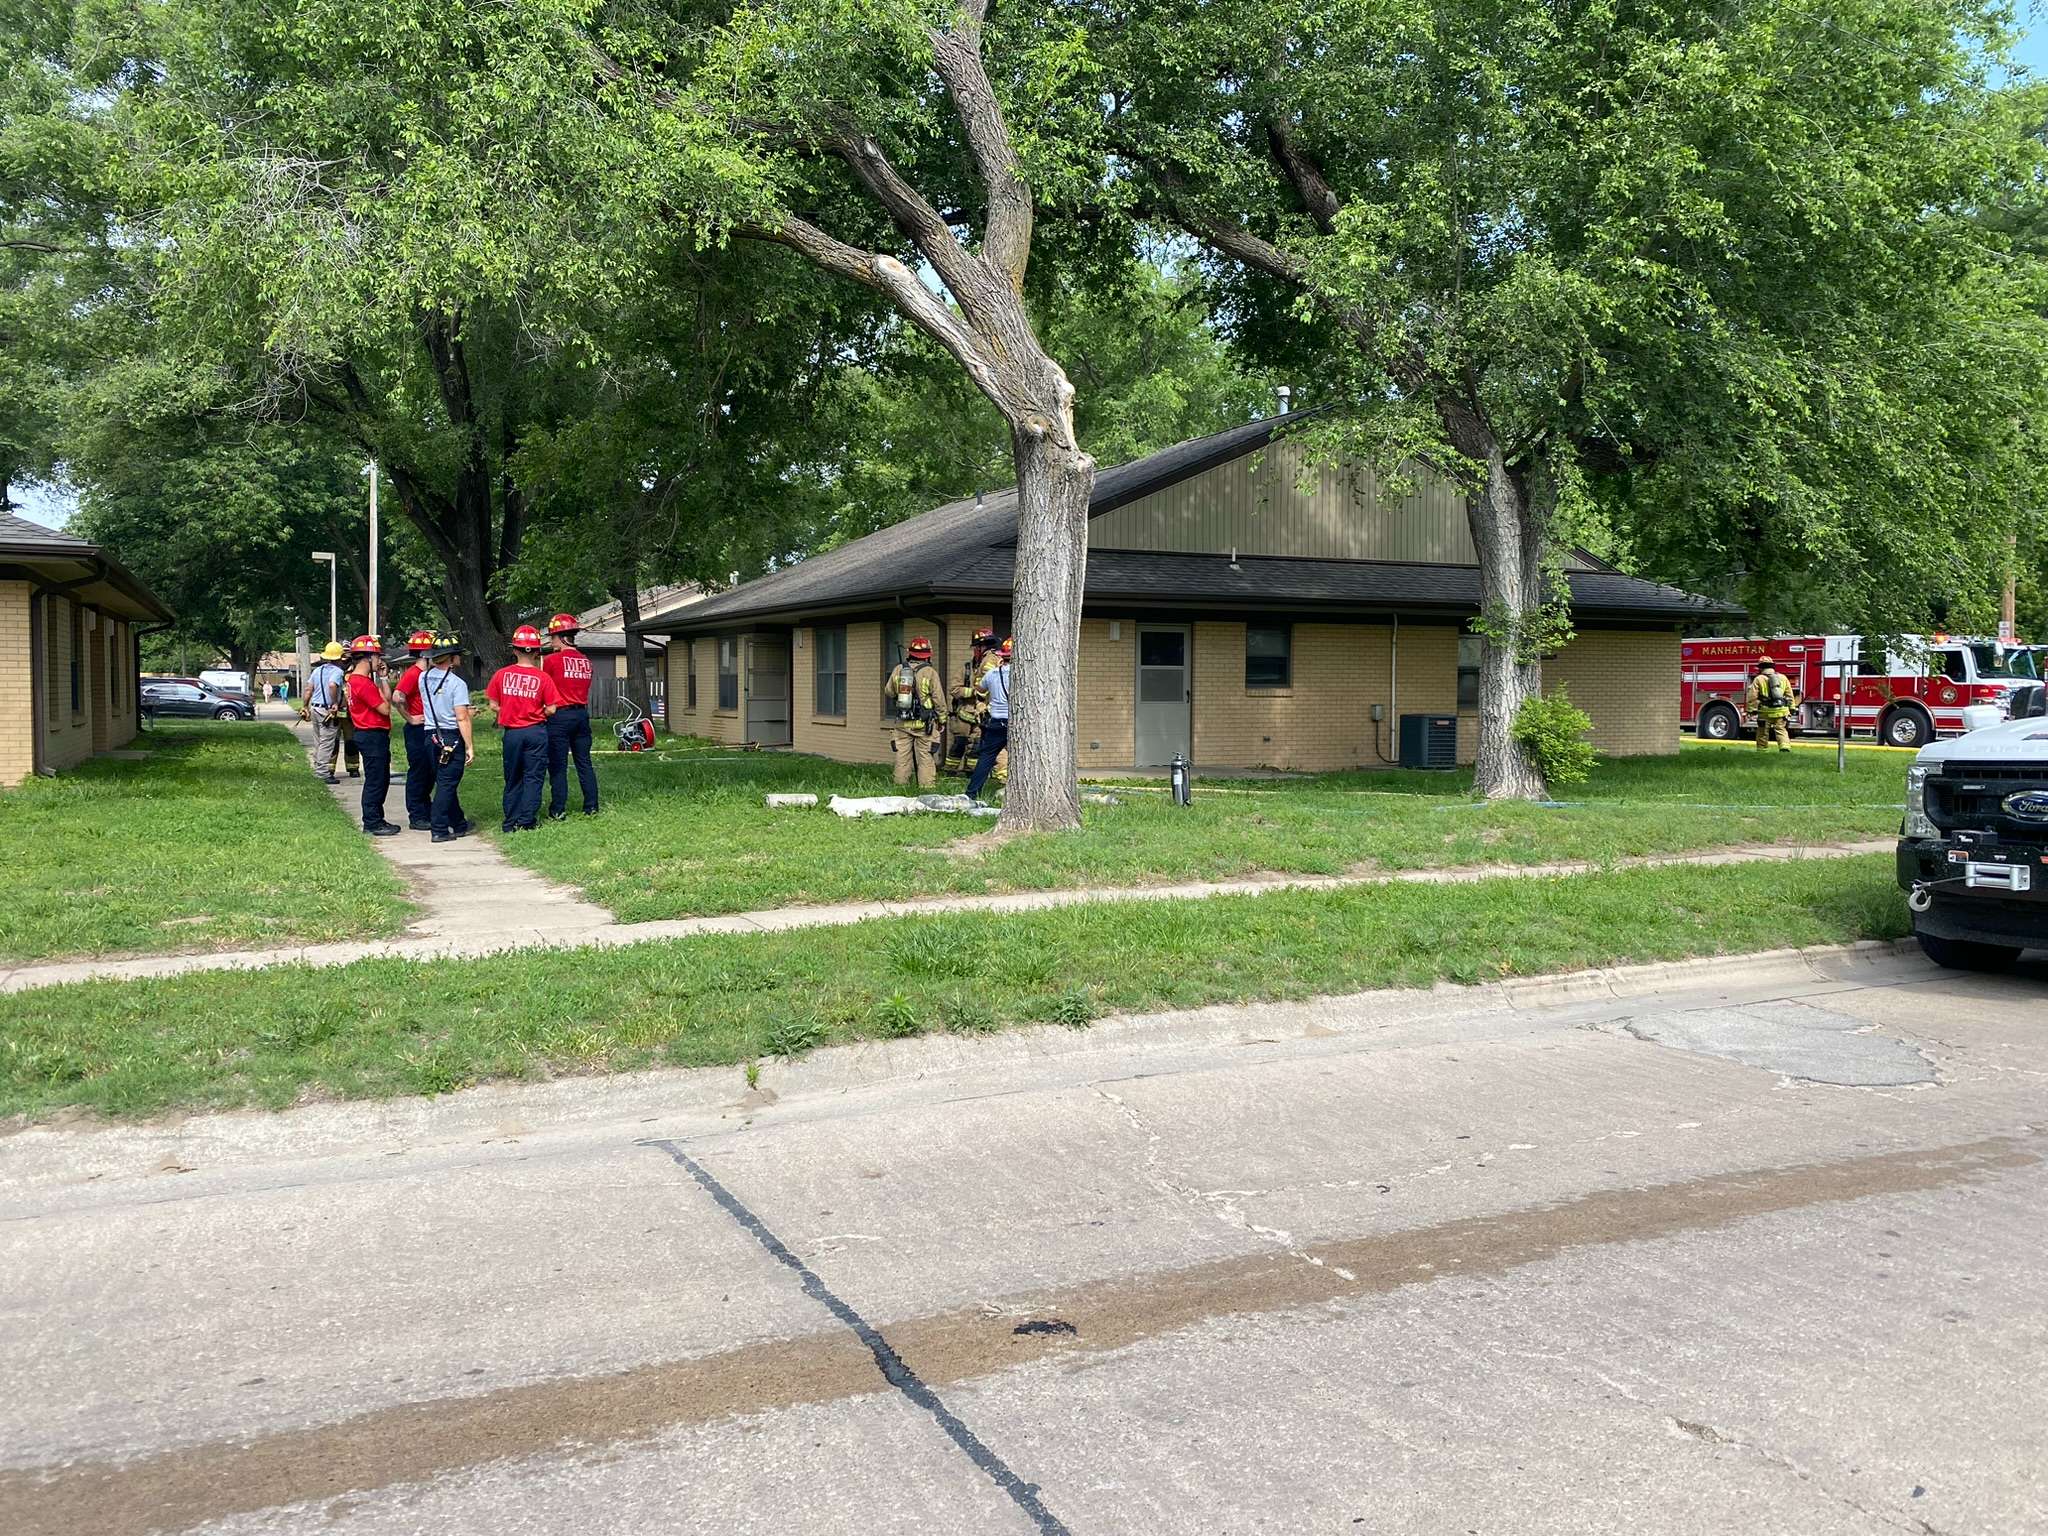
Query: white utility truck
1973	853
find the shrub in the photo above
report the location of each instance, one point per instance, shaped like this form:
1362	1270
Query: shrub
1553	731
897	1016
796	1034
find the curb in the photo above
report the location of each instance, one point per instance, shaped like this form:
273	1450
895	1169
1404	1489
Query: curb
634	1101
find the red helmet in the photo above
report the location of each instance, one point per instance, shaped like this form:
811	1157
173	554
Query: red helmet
420	640
366	645
526	638
920	649
563	624
984	639
1007	643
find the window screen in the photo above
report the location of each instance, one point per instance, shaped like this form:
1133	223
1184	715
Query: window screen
830	652
728	673
1468	672
1268	656
690	674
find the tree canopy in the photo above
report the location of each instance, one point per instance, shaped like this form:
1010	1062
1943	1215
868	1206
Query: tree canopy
1749	298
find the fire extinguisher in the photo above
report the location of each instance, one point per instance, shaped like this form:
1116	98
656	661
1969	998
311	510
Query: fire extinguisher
1180	774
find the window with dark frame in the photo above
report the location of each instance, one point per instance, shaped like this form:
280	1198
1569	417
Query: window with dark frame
690	675
1468	673
728	674
77	659
1268	656
893	641
829	668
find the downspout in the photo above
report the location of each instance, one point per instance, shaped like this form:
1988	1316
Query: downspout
1393	696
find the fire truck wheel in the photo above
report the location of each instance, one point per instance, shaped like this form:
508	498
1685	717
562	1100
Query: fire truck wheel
1906	728
1719	723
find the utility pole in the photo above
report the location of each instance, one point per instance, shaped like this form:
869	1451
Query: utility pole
2008	605
371	628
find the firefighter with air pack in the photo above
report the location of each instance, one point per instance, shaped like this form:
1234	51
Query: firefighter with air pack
967	707
1772	698
914	701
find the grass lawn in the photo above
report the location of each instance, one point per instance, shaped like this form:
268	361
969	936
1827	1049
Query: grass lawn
685	833
389	1027
220	839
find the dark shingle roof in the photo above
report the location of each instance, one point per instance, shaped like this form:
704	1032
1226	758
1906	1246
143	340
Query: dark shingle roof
1271	582
83	566
968	549
20	536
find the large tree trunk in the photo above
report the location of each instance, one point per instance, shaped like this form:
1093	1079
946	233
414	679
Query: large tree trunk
1508	532
627	594
1054	482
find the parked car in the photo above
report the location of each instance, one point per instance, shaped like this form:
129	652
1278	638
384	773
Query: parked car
1973	853
192	701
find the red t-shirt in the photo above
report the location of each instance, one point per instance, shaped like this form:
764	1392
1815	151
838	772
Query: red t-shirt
519	692
363	699
408	694
570	669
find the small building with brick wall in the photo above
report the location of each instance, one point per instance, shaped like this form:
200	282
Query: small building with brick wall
1242	606
70	617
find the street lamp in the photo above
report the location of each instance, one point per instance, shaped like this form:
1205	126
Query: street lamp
370	469
326	557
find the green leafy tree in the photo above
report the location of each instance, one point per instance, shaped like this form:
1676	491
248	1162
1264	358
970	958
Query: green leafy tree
1725	254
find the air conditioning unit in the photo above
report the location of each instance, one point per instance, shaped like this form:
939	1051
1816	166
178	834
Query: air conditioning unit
1429	741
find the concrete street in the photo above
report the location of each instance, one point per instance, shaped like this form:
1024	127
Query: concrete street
1754	1247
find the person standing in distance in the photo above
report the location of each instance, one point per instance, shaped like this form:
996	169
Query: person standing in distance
419	755
524	697
326	701
995	730
369	711
444	701
569	725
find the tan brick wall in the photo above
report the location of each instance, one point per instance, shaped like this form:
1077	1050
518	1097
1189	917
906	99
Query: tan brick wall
120	683
1108	688
707	720
17	703
858	736
1321	722
1627	680
67	733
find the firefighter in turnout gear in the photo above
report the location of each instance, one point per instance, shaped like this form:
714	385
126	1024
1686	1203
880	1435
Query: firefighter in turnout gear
914	700
968	707
1772	698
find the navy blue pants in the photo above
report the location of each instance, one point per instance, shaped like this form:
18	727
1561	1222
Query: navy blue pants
569	731
420	753
526	769
447	812
373	750
995	735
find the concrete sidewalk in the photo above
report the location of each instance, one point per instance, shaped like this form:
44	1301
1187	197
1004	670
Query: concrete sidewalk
466	887
554	919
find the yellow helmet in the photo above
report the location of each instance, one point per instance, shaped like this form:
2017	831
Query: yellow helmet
332	651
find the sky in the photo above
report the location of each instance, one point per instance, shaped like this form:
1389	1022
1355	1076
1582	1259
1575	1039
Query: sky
54	507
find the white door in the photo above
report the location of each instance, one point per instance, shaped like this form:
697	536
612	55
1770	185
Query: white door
768	690
1165	695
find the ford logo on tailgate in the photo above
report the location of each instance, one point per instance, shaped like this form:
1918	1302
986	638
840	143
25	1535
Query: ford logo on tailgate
2027	805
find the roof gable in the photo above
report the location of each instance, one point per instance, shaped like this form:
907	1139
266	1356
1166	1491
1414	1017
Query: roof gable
1141	510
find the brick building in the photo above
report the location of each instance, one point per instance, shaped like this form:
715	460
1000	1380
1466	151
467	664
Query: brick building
1240	607
69	620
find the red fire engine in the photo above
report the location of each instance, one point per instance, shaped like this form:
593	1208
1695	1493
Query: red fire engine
1905	698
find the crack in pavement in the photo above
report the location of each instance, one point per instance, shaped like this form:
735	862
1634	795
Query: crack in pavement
417	1442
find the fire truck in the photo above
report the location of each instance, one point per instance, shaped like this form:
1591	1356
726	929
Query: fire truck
1905	698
